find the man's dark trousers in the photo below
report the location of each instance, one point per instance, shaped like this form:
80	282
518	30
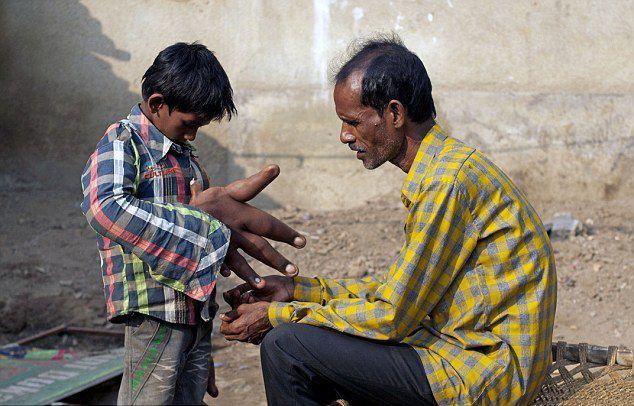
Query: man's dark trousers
307	365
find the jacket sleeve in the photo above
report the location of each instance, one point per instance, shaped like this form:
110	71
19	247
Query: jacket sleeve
183	246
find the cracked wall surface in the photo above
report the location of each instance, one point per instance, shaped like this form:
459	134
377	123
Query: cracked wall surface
545	87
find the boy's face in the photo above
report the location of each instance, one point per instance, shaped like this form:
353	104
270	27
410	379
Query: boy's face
176	125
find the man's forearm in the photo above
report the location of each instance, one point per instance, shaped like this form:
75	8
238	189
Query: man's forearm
306	289
321	290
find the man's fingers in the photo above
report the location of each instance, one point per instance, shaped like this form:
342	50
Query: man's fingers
260	249
232	296
230	316
225	328
246	189
243	270
256	340
262	223
237	337
230	328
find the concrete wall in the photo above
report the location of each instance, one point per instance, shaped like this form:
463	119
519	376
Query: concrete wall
544	86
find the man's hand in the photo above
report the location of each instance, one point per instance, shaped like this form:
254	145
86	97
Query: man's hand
248	323
248	225
276	289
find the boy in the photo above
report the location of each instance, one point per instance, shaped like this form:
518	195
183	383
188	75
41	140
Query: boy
149	200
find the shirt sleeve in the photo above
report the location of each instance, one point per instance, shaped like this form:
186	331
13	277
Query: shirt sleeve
439	240
321	290
183	246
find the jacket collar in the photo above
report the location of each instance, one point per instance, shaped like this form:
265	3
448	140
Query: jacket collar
157	143
429	147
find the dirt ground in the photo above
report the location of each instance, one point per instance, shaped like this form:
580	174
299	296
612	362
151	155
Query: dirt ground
49	267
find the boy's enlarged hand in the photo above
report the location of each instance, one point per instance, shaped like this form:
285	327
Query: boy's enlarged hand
277	289
248	225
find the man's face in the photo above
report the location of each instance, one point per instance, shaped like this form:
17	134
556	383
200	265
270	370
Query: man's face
177	125
363	129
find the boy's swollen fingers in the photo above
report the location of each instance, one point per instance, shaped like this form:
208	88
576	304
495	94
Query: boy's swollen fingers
260	249
236	262
244	190
263	224
232	296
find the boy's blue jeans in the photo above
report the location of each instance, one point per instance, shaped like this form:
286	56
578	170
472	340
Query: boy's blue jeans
165	363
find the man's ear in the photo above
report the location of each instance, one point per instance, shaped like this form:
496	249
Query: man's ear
396	113
155	101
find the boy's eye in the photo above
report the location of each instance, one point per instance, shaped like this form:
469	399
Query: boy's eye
352	123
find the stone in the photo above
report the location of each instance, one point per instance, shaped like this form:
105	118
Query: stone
564	226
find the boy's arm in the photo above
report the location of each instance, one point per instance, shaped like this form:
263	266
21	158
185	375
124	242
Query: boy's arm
183	246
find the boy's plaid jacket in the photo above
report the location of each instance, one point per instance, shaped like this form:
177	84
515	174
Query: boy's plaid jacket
159	256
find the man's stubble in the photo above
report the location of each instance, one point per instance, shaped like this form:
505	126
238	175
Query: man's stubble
387	151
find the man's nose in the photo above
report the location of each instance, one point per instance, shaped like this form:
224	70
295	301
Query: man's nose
346	136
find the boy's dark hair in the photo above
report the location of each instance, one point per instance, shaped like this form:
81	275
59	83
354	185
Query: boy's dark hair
191	79
391	72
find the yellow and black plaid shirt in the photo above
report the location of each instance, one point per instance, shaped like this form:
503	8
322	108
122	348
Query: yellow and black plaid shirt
473	289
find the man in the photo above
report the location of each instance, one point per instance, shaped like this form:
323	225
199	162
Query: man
465	313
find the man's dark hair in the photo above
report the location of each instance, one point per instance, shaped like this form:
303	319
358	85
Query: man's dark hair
391	72
191	79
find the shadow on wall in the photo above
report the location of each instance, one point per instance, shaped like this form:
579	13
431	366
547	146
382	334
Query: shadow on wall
59	94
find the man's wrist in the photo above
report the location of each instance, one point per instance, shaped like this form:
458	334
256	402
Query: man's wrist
264	311
280	312
290	288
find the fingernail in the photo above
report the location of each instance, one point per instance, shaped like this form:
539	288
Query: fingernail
191	182
257	280
291	270
299	241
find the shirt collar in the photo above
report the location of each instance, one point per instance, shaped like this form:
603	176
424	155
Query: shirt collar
157	143
429	147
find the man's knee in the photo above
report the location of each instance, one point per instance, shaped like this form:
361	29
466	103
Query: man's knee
285	340
278	340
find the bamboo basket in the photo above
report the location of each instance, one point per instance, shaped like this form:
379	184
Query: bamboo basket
584	374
